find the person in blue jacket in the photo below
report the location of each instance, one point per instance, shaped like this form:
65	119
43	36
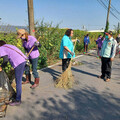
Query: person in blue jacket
86	42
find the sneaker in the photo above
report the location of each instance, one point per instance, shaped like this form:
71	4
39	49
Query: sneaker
98	57
15	103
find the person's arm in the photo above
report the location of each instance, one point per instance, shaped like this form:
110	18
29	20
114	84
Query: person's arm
88	40
5	61
84	39
101	52
65	44
66	48
113	50
74	40
119	41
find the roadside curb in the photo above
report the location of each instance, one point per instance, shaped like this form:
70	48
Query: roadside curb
90	51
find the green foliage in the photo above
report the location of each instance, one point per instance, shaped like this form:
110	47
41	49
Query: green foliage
50	38
7	69
42	61
118	31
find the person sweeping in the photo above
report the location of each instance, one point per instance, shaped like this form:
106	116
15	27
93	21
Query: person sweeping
67	49
66	53
31	45
17	60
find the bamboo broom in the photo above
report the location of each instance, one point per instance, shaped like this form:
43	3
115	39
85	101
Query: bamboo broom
66	79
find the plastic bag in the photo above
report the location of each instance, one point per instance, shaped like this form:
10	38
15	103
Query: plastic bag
5	85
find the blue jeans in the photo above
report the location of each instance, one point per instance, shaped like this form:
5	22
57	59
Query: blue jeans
34	63
19	70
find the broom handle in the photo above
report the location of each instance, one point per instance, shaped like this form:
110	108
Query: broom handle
30	51
74	46
75	43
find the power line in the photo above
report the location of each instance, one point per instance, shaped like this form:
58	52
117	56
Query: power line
103	4
113	8
110	10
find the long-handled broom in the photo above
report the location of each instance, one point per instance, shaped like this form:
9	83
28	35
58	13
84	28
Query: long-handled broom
66	79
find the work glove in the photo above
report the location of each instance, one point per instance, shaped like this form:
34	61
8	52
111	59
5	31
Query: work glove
37	44
72	53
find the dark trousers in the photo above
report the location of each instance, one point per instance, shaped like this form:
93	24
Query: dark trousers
19	70
106	67
34	63
85	47
65	63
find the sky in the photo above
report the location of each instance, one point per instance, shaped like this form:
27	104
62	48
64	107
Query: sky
75	14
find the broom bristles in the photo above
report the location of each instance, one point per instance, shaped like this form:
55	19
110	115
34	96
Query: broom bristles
66	79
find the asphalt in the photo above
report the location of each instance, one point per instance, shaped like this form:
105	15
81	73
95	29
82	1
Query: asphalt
91	98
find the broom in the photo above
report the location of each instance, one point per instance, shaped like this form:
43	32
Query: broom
66	79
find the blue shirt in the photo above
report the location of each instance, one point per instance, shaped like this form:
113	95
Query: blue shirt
86	40
66	41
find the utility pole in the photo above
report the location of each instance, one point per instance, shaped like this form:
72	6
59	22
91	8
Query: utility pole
107	20
118	28
31	17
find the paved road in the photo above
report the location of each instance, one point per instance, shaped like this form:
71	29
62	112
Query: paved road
90	99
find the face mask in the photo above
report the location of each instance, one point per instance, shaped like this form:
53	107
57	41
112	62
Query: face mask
24	39
106	37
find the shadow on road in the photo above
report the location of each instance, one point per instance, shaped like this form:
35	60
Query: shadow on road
84	72
53	73
83	104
